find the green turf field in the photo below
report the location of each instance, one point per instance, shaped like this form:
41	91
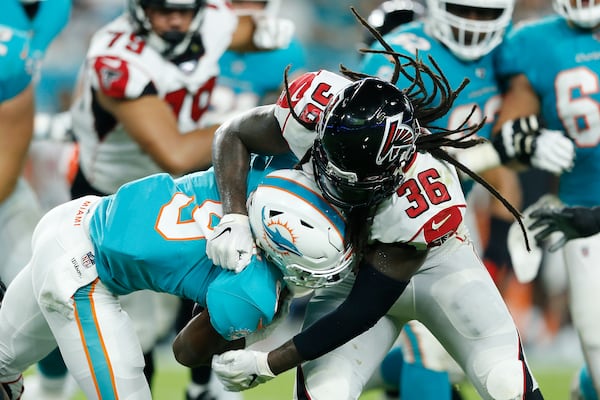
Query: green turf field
171	380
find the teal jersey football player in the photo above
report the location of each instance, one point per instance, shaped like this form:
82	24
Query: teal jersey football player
565	78
551	68
150	234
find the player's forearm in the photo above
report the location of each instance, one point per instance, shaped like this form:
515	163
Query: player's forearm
285	357
198	341
359	312
231	161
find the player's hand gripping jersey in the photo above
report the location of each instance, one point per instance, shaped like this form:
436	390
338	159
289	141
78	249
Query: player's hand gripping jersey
427	208
121	65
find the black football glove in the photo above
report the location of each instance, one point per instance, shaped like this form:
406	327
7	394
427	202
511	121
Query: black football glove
572	222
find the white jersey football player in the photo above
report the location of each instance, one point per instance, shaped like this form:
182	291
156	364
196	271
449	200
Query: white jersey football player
146	83
405	214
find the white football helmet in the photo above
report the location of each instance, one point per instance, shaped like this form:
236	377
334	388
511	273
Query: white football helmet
583	15
469	39
172	44
299	231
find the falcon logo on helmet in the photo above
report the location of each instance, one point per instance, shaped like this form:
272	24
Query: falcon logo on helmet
366	134
399	138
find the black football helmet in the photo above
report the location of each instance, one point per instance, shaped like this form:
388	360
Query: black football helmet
172	45
365	136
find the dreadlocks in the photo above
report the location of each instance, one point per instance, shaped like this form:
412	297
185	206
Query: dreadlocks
431	139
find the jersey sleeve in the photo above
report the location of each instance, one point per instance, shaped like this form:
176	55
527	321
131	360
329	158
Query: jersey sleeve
50	19
13	63
240	304
309	94
118	78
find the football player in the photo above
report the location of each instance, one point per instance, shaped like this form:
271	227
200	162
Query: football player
560	85
362	142
27	27
145	86
26	30
151	235
460	35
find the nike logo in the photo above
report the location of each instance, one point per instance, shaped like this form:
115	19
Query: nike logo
254	377
436	225
226	230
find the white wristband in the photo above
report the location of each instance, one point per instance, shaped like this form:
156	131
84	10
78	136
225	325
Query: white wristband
262	364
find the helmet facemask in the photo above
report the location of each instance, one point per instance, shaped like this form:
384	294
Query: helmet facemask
583	15
453	23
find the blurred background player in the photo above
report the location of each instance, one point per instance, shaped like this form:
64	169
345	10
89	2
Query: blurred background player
28	28
560	85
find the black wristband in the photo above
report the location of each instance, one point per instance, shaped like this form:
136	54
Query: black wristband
497	142
370	298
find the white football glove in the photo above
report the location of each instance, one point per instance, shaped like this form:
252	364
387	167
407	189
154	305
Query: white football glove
242	369
231	244
272	32
554	152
